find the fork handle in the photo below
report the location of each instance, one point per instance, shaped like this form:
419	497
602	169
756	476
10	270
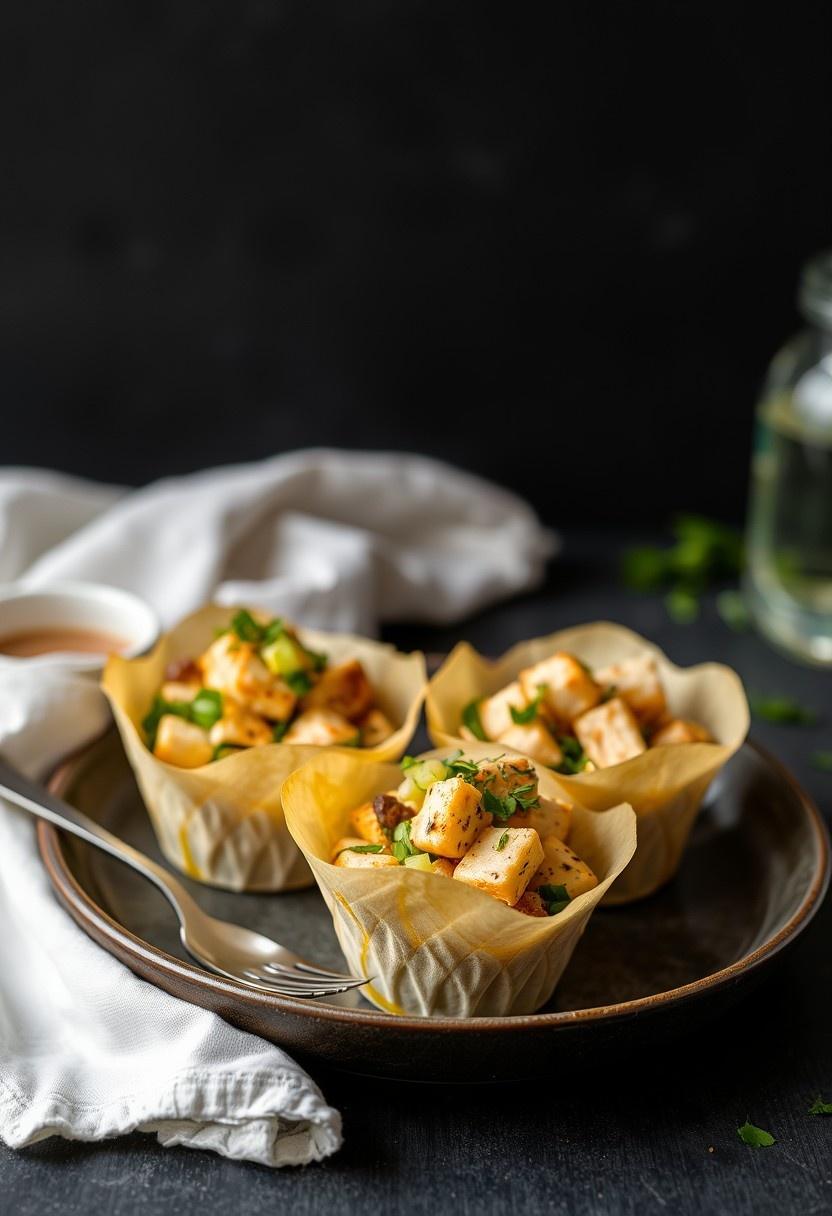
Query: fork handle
42	803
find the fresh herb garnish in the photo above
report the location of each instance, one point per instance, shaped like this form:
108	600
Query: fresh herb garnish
501	843
362	848
279	730
754	1136
522	717
822	761
408	762
555	897
731	606
457	766
206	708
574	758
471	719
500	808
704	552
819	1107
226	749
682	605
209	711
246	628
783	711
300	682
402	846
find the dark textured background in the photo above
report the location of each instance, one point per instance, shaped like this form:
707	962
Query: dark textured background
232	228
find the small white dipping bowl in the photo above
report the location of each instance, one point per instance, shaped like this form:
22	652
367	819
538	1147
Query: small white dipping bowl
91	607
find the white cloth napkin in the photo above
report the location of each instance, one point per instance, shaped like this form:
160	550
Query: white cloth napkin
332	539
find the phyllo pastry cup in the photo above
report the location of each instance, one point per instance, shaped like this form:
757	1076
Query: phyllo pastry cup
431	945
664	784
223	823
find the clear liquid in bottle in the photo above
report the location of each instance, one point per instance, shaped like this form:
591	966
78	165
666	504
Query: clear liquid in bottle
789	542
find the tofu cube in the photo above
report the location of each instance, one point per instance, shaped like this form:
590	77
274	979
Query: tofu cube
562	867
177	690
344	689
548	819
343	855
536	740
507	774
322	728
637	682
450	820
375	727
181	743
444	867
679	730
609	734
568	688
240	727
502	862
495	712
235	668
365	823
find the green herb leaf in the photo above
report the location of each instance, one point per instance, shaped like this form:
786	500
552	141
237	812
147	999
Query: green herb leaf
206	708
555	897
279	730
459	767
754	1136
317	660
822	761
272	631
471	718
408	762
502	842
783	711
574	757
522	717
682	606
645	568
500	808
733	609
245	627
362	848
704	551
402	846
226	749
819	1107
300	682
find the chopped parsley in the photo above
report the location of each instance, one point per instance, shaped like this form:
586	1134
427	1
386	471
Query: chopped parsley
555	897
300	682
471	719
782	711
247	628
822	761
279	730
503	808
362	848
574	759
457	766
409	761
819	1107
732	608
501	843
522	717
704	552
754	1136
682	605
402	845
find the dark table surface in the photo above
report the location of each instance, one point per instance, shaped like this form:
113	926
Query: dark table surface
655	1133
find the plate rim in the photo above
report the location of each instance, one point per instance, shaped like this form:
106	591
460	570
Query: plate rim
120	941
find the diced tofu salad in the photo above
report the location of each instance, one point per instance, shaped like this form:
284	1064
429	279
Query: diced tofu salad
573	720
478	822
255	684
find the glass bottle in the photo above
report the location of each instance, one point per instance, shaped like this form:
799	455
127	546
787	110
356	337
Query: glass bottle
788	576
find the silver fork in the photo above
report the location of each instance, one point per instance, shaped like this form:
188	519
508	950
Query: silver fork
231	950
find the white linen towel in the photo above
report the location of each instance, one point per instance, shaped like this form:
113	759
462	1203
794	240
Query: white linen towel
332	539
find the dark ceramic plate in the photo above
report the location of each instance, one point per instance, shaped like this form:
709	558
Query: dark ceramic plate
753	877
